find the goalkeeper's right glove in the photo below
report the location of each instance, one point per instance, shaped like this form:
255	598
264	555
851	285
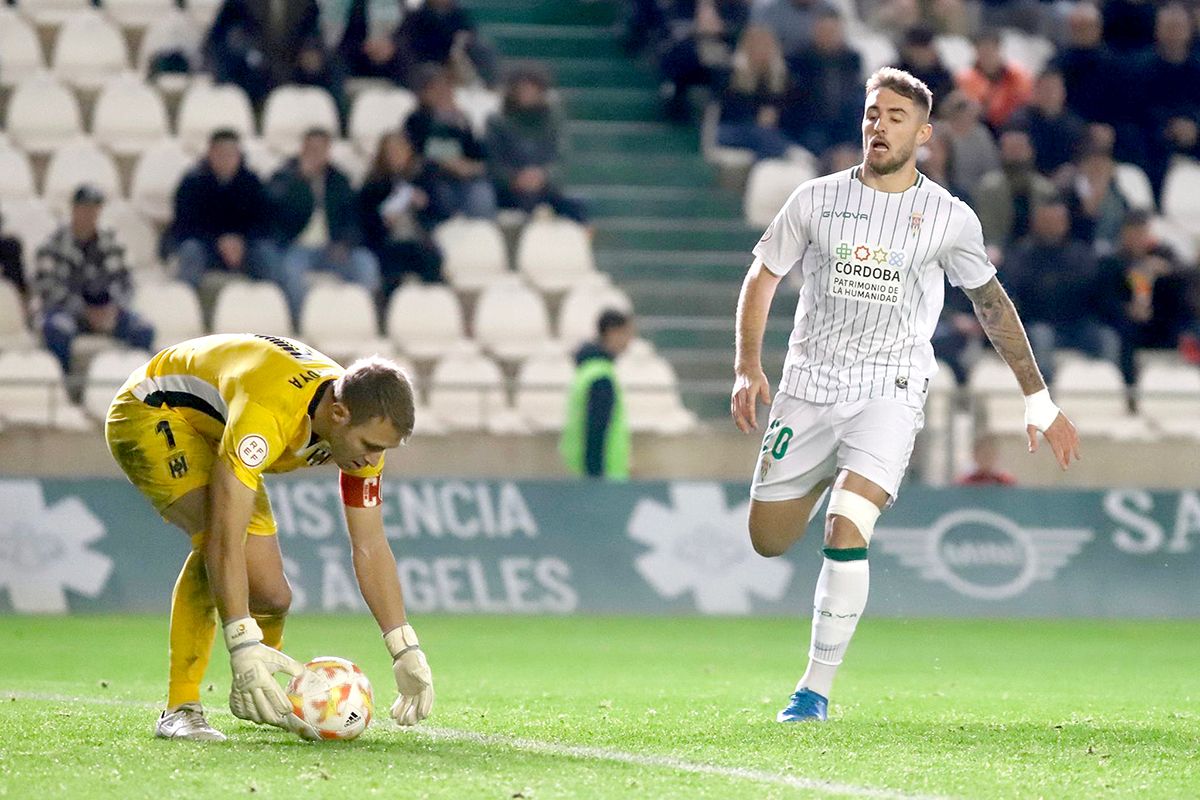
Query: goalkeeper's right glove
255	694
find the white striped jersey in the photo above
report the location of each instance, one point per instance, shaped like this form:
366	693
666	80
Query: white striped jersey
871	264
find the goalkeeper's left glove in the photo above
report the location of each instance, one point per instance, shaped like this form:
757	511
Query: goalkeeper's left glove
413	678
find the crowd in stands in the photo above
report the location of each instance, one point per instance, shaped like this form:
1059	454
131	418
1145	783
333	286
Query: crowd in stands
1039	151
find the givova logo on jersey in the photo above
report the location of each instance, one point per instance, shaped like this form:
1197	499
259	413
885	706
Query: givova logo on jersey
869	273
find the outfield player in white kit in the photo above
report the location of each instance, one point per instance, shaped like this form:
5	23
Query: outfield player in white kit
872	244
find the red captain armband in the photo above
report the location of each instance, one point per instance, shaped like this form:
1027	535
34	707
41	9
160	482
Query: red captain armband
360	492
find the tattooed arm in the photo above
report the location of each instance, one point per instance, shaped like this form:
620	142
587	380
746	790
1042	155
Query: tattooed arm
1000	322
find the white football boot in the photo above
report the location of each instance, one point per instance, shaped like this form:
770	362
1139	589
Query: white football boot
186	722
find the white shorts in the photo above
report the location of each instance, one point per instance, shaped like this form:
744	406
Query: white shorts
807	443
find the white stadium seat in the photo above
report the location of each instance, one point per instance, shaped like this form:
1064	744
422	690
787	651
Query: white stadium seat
138	14
32	391
1094	392
251	307
292	110
581	309
956	52
31	221
555	254
425	321
16	175
479	104
474	254
173	309
376	112
107	372
173	30
52	13
541	396
340	320
260	158
1028	52
346	157
203	11
156	176
770	184
468	393
993	385
1181	196
511	321
205	108
42	114
14	334
20	50
89	50
1170	397
129	116
874	49
81	161
651	393
1135	186
135	233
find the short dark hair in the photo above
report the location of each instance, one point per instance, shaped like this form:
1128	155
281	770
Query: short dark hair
904	84
224	135
317	130
375	387
610	319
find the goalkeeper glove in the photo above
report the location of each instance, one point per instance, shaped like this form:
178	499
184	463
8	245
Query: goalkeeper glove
255	694
413	679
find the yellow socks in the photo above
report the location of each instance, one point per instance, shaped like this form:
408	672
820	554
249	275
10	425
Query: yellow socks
193	625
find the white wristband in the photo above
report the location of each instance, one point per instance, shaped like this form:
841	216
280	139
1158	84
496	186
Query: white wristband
1040	411
241	632
401	640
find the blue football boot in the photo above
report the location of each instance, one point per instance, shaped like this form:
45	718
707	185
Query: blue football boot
805	706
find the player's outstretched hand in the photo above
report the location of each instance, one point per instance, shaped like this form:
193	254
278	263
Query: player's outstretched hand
414	681
749	387
255	694
1062	438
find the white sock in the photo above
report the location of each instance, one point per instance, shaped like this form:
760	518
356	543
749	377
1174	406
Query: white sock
838	602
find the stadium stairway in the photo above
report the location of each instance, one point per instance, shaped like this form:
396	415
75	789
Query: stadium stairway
666	231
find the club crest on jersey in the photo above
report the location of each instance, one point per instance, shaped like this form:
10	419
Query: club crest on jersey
914	222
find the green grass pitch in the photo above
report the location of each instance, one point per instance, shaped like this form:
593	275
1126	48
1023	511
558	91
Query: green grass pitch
598	707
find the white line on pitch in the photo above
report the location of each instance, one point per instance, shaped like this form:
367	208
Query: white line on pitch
539	747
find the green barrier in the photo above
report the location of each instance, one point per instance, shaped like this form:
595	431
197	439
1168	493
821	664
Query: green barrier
653	547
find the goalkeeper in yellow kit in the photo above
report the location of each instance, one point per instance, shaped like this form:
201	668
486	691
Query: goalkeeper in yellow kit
194	430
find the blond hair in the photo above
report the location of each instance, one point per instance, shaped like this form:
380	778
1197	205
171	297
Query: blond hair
374	387
904	84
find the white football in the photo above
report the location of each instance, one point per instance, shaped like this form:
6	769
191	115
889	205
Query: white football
334	696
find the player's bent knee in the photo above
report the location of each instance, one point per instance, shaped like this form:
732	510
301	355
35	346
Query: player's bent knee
273	603
855	509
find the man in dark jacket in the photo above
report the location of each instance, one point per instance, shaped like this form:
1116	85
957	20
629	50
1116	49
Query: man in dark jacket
1055	131
825	107
222	217
316	221
595	439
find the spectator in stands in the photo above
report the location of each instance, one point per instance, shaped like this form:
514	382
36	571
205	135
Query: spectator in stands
1129	25
82	284
999	87
1144	293
936	162
1168	93
1094	198
440	132
1006	197
440	32
1052	281
644	25
920	58
1055	131
755	93
222	218
12	265
523	147
368	45
595	439
398	210
791	21
261	44
316	219
824	107
702	35
986	472
973	151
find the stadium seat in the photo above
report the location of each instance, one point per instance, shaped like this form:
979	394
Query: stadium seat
474	254
251	307
425	321
581	309
20	50
203	11
511	321
156	176
468	393
555	254
770	184
1027	51
717	154
14	334
171	31
78	162
173	309
340	320
107	372
52	13
261	159
42	114
1094	394
541	396
1135	187
16	175
1180	198
1176	237
291	110
346	157
874	49
137	14
375	112
89	50
994	388
957	53
32	392
479	104
129	116
1170	398
136	234
31	221
651	393
205	108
